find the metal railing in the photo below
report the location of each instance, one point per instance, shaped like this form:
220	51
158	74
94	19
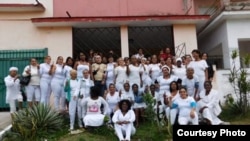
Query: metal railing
180	50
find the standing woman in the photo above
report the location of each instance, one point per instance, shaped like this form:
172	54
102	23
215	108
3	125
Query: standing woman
13	93
154	69
120	74
81	65
57	84
145	73
134	72
110	71
200	68
69	65
33	88
45	72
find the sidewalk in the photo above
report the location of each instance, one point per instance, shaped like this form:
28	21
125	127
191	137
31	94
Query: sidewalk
5	120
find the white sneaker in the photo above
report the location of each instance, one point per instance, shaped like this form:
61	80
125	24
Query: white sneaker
224	123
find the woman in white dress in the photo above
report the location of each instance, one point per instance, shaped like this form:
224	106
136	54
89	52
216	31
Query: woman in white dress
84	86
154	69
139	104
134	72
110	77
200	68
13	93
112	97
45	72
57	84
123	120
68	67
186	106
163	82
71	89
170	98
120	74
92	114
82	65
144	68
33	88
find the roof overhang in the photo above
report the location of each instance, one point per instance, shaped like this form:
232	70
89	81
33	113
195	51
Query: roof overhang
22	7
84	22
225	15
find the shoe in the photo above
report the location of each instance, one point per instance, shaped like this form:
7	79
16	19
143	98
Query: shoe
224	123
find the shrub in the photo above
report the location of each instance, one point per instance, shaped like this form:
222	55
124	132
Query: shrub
37	123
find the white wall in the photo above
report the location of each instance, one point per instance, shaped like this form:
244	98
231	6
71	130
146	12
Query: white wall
214	38
185	34
18	32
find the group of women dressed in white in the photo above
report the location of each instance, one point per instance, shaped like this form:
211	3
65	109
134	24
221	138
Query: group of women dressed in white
177	87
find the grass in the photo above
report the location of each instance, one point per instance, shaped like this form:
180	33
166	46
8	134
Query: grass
145	132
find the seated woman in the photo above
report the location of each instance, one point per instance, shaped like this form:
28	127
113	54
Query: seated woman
92	114
208	105
187	108
123	120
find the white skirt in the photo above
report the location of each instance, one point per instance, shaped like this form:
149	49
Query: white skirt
139	105
93	120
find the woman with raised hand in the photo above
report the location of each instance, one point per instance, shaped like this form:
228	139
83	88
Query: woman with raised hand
123	120
57	83
186	106
92	113
33	88
45	72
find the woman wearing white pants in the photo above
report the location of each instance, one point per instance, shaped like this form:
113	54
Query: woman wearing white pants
57	83
72	92
187	108
45	72
33	88
84	86
123	120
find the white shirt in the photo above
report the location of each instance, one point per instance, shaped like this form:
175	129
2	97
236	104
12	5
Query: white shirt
67	71
80	69
165	83
185	105
155	71
12	88
129	116
44	71
134	74
34	72
110	72
121	74
84	86
199	67
112	100
73	87
179	72
59	73
91	106
127	95
190	84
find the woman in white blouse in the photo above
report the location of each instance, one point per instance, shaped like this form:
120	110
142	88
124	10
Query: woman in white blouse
110	71
33	88
57	83
134	72
45	72
120	74
154	69
71	90
123	120
92	113
186	106
112	97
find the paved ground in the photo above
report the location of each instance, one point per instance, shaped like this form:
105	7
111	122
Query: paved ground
5	120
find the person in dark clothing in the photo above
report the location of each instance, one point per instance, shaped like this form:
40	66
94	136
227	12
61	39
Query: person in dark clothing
210	66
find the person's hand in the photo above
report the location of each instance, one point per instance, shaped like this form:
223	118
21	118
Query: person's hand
38	66
16	77
192	114
120	93
126	122
28	71
119	122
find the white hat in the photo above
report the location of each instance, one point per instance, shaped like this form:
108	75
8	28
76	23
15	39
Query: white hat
13	69
165	66
178	59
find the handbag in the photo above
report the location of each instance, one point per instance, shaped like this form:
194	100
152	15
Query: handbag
25	80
